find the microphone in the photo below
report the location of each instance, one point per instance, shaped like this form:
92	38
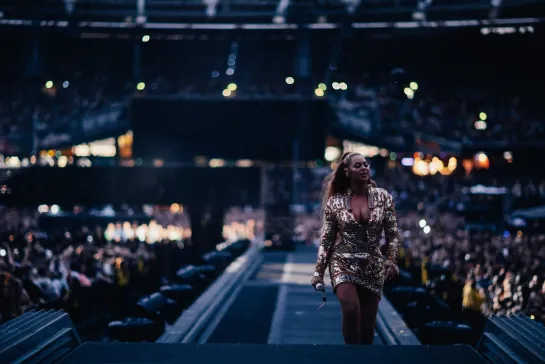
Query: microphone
320	287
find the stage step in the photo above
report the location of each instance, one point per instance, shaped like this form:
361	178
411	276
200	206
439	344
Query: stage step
135	353
513	339
43	336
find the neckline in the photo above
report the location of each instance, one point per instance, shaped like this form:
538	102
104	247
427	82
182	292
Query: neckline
370	205
370	191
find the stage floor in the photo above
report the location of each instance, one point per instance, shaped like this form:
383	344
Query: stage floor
268	354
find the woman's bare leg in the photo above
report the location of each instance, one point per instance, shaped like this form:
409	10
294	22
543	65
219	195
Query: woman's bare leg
368	303
347	293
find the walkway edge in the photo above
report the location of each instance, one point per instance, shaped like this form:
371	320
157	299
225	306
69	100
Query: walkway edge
275	334
391	327
194	319
210	326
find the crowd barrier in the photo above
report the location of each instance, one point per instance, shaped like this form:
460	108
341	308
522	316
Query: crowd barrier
513	339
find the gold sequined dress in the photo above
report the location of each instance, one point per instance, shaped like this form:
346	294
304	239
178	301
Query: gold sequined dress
355	255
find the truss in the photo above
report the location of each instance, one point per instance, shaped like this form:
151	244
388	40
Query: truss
269	11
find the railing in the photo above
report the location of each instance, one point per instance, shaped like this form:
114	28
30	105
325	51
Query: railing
194	321
38	336
391	328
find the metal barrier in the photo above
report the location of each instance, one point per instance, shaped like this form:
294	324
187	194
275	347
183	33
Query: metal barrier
391	328
513	339
38	336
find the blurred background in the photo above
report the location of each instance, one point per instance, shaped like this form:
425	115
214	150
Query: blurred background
136	136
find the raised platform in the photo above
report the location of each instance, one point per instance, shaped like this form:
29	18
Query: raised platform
261	310
269	300
267	354
296	319
513	339
38	336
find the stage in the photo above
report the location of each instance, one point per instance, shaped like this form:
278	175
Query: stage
268	354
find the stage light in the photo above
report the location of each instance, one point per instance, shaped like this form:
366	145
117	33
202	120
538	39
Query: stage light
322	86
420	168
244	163
55	209
319	92
145	38
480	125
436	165
140	86
62	161
482	157
226	93
279	19
413	86
482	161
290	80
409	93
232	87
343	86
452	164
483	116
336	86
65	84
174	208
332	153
215	163
49	84
422	223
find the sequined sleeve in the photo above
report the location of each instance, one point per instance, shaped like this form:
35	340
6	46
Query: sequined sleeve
329	234
390	230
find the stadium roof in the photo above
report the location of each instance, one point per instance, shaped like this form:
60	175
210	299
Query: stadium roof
275	13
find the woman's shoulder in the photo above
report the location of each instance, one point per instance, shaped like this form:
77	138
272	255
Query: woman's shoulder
384	195
337	197
382	191
337	200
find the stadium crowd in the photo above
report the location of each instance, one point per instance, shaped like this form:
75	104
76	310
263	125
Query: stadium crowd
95	273
77	82
76	269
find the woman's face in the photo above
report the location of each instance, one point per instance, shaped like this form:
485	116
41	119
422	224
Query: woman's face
358	169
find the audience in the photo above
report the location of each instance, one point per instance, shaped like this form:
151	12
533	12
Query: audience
96	274
66	101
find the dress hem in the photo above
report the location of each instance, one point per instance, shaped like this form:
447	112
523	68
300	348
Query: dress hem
357	283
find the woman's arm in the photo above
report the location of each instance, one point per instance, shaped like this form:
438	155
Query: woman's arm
392	239
390	230
329	234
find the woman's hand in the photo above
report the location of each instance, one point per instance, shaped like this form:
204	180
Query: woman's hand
390	270
316	280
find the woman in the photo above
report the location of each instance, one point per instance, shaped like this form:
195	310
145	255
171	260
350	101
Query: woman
357	212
